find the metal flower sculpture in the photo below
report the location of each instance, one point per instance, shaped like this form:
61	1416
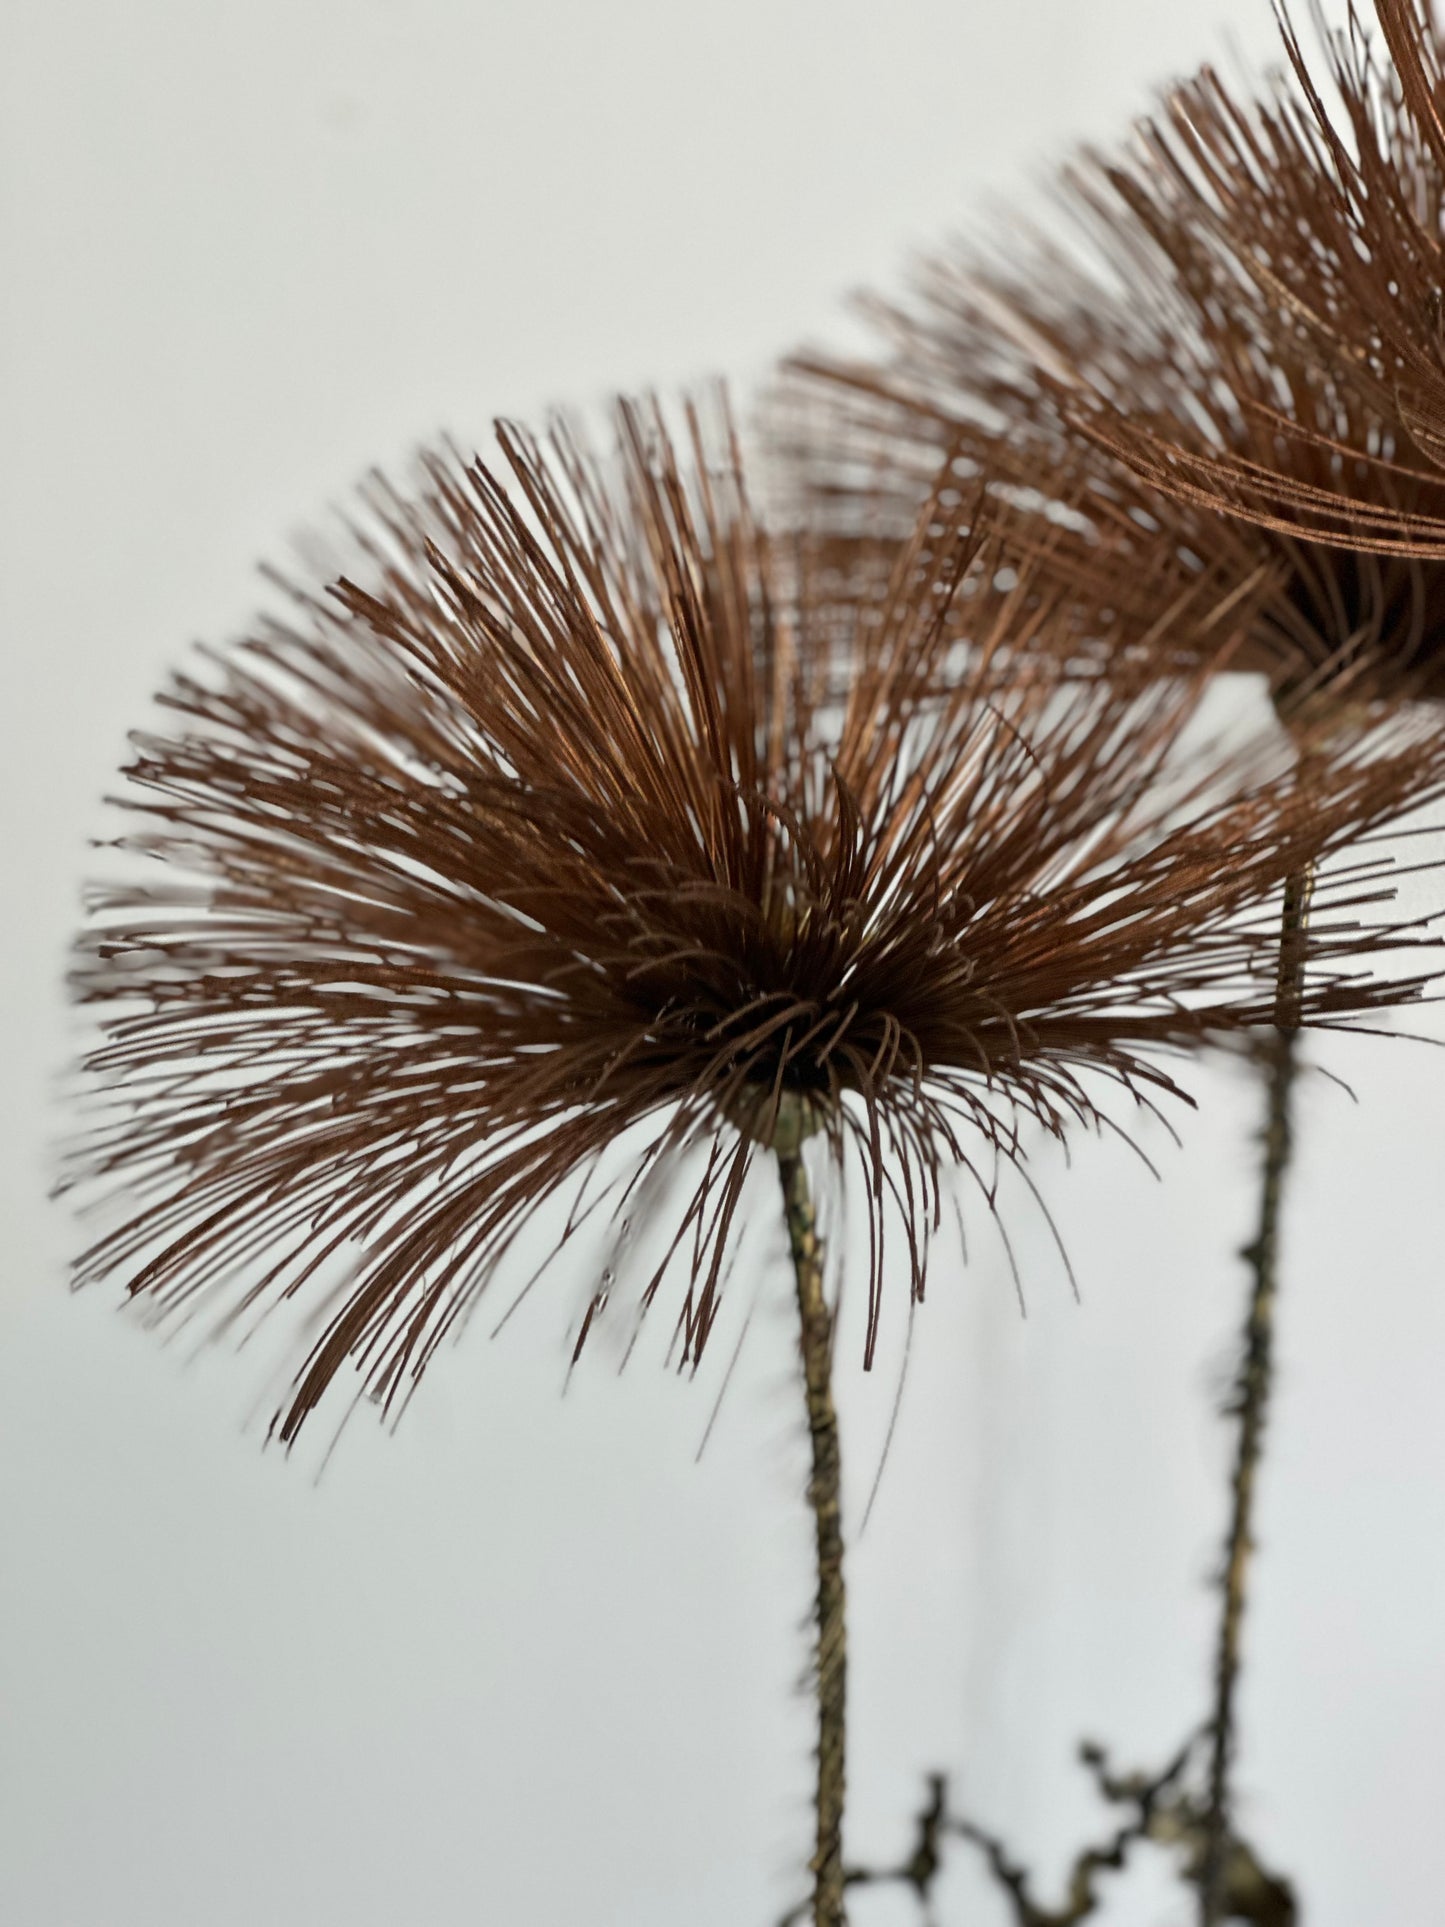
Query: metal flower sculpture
582	814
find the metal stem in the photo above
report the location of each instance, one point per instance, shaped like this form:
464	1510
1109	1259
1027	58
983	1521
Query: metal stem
825	1497
1250	1401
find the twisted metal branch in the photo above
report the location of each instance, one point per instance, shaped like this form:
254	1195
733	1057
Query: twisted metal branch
825	1497
1249	1402
1161	1810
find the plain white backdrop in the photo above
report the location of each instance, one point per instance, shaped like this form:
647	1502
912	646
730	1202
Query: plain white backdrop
528	1662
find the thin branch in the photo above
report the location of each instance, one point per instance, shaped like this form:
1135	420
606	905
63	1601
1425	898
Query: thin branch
1144	1794
1163	1811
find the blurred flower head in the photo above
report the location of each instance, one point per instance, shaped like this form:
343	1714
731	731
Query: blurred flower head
1226	357
580	813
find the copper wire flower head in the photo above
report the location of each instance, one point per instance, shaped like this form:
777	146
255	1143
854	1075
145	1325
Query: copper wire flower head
1240	313
580	808
1315	219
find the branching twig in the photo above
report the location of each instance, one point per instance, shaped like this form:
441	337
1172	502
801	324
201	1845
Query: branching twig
1145	1795
1162	1812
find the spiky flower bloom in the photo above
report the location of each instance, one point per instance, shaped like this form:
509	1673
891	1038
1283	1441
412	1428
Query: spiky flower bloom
1239	313
581	808
1315	219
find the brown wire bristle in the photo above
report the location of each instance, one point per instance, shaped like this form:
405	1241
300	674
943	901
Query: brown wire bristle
1246	318
1323	230
582	806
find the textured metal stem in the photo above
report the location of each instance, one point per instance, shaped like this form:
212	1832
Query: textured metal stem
1252	1384
825	1497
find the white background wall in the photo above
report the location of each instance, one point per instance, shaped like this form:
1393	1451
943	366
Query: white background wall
527	1662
